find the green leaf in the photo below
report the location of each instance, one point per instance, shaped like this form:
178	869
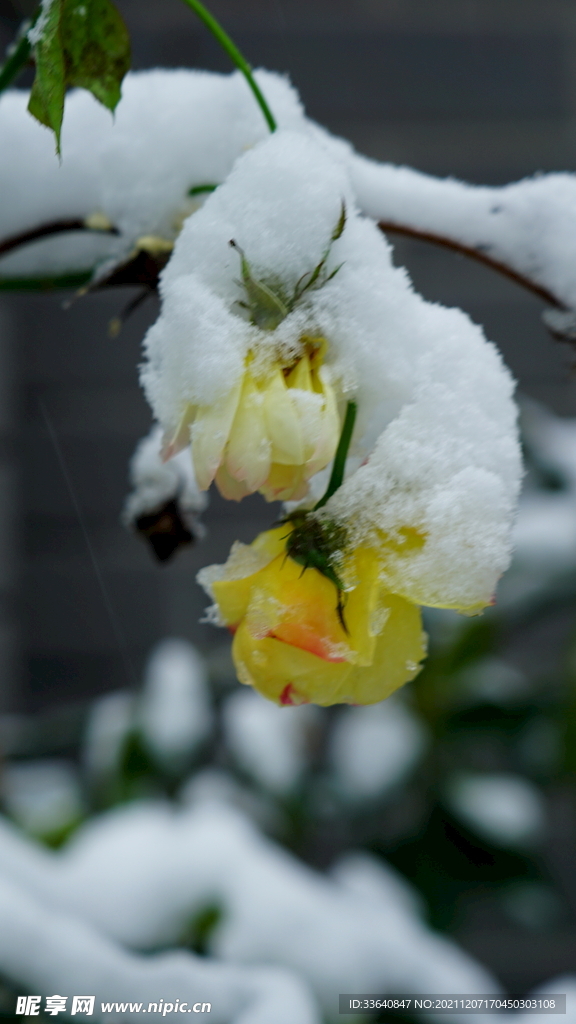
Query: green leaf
77	43
338	230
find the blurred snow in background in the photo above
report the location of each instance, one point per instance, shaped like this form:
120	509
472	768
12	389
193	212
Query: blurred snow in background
373	748
202	839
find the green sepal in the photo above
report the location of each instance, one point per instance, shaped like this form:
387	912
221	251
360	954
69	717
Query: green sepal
316	543
267	309
82	43
268	302
317	278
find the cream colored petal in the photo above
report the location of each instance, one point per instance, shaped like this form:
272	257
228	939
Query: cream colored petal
282	422
248	451
285	483
301	376
210	432
180	438
330	426
231	489
309	406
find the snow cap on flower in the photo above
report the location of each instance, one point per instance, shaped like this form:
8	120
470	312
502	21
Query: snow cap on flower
280	204
235	362
436	423
438	493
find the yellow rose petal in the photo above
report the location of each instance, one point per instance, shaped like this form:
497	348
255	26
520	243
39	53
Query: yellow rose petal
285	483
399	651
299	607
287	674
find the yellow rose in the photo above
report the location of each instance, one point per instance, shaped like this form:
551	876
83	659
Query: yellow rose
270	433
298	639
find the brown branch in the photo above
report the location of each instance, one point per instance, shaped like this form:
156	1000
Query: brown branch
475	254
142	267
55	227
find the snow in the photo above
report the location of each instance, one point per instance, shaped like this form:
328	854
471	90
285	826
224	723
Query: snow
110	720
527	225
47	951
372	879
433	396
267	741
505	809
447	467
155	482
42	796
172	131
36	31
281	204
373	748
174	713
138	167
138	874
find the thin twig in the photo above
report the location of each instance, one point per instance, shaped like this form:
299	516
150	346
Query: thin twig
475	254
55	227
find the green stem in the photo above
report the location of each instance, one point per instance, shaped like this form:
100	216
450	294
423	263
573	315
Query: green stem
199	190
45	284
236	57
337	474
16	62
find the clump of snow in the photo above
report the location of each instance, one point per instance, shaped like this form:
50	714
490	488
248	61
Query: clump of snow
36	31
174	713
172	131
175	130
281	204
155	482
138	874
268	742
447	467
433	396
506	809
44	950
494	680
42	796
110	720
528	225
373	748
372	879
